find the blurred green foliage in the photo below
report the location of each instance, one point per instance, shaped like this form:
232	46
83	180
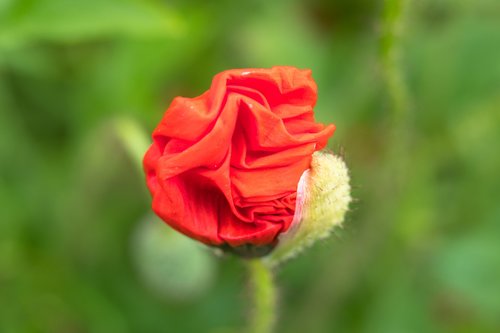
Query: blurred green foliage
420	250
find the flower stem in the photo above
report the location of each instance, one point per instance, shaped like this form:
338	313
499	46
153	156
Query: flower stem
263	315
133	138
393	24
400	131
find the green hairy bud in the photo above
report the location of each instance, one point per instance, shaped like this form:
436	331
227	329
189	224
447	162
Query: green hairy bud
323	198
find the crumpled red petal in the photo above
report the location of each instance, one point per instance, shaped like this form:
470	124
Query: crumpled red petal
224	166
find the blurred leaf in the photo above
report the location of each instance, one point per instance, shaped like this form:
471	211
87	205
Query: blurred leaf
70	21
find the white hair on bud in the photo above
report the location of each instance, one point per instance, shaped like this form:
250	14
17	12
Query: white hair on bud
323	197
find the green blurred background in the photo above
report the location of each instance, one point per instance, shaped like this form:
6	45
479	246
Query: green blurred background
79	80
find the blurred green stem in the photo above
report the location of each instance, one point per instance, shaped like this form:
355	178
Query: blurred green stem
133	138
392	24
263	315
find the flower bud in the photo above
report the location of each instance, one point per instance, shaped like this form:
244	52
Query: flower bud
170	264
223	167
323	197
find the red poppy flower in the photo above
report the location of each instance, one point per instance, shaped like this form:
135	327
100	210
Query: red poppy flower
224	166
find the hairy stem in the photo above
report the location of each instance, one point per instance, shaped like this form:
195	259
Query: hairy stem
392	24
263	292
